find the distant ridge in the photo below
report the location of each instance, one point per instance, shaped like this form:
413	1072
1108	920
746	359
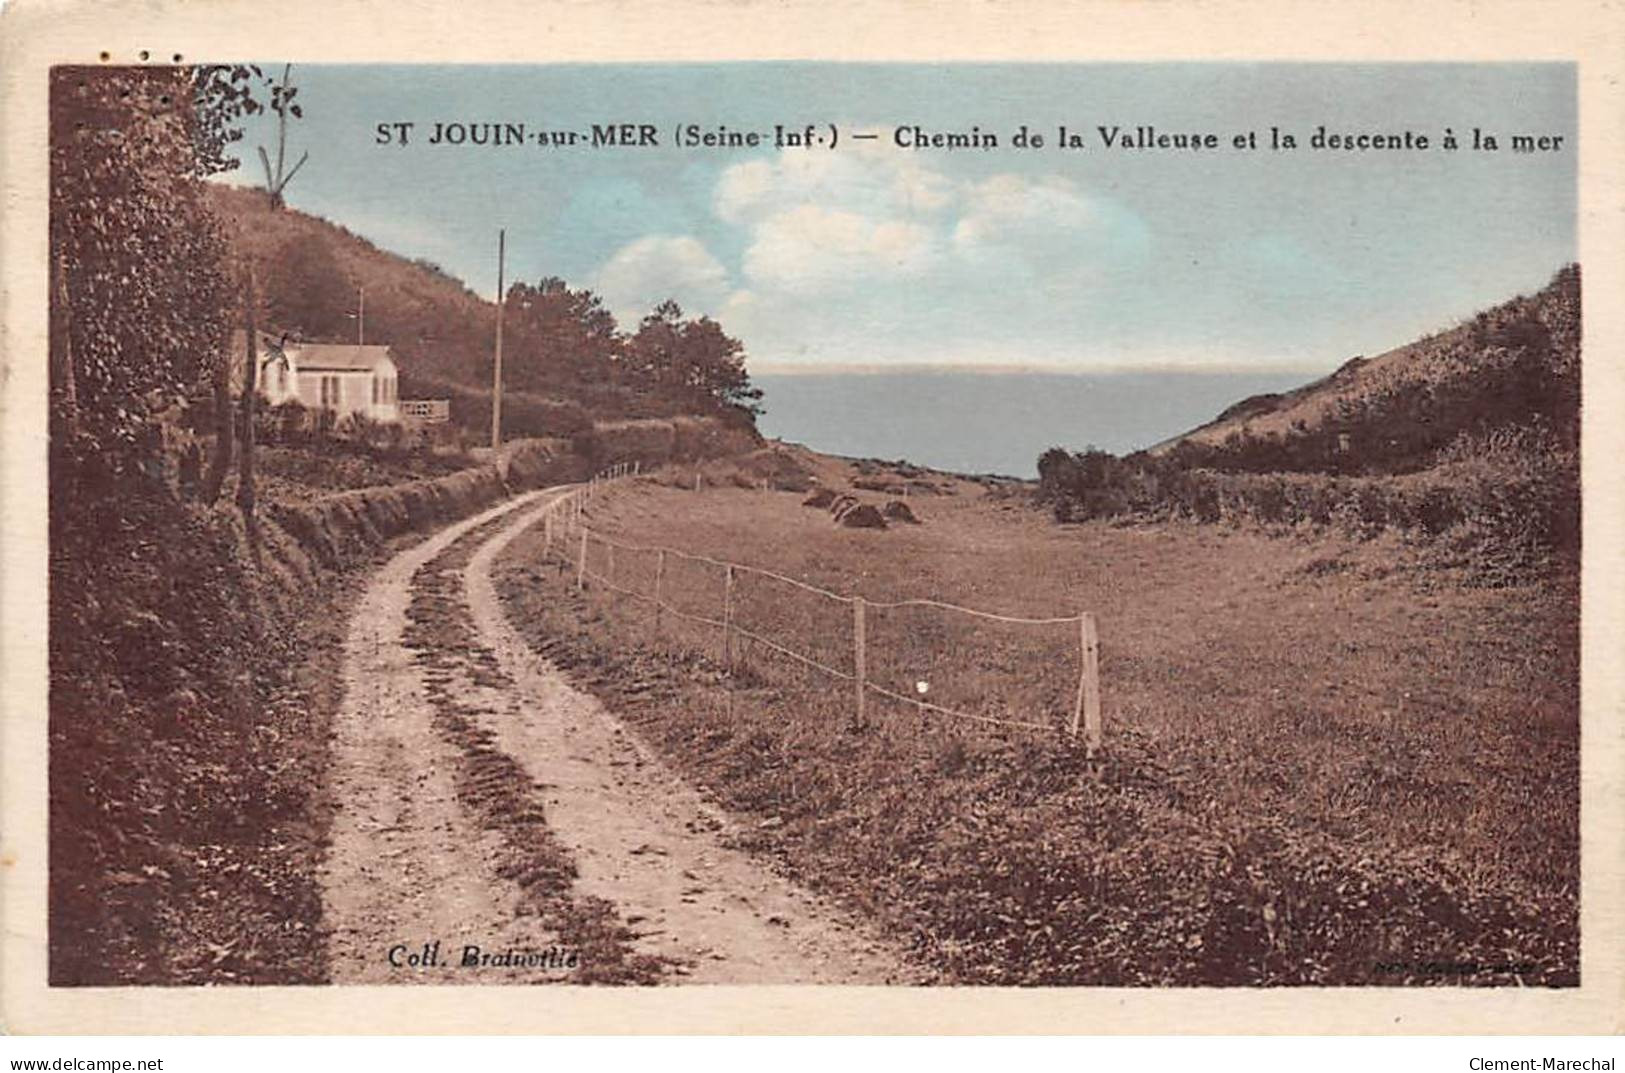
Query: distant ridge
1511	364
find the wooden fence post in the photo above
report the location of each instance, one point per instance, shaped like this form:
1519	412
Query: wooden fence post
727	638
728	620
860	662
1088	707
581	565
660	579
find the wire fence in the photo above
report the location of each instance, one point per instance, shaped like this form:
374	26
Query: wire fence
901	650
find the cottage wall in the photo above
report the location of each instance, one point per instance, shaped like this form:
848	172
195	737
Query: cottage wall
351	391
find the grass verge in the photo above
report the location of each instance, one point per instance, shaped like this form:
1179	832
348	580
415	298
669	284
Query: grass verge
1320	769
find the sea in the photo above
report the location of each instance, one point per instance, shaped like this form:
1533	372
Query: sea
975	421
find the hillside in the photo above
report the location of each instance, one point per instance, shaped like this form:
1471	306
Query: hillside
1471	435
565	364
437	326
1510	365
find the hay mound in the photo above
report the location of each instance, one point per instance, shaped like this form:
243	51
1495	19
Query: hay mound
897	511
821	498
862	516
777	468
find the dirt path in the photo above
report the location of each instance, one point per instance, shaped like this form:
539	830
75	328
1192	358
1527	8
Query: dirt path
412	863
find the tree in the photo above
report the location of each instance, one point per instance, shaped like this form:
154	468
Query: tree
143	302
282	96
250	402
712	366
560	334
692	363
652	353
223	95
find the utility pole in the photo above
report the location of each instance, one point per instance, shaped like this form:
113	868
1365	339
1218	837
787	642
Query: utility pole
361	317
496	372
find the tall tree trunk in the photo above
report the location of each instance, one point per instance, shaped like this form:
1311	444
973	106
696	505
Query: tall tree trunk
66	411
245	469
225	423
277	181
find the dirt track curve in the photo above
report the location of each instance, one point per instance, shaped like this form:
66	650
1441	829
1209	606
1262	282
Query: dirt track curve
413	860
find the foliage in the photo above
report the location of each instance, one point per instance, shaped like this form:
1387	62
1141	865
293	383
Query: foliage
186	748
143	299
523	414
558	334
692	360
1509	366
308	293
223	96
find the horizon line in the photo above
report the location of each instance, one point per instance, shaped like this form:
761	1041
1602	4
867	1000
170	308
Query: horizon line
779	368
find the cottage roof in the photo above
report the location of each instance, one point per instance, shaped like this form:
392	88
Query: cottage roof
268	344
342	357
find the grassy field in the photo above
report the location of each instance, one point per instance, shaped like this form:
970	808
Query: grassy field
1325	761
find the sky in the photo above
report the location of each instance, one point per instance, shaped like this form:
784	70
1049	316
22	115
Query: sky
873	255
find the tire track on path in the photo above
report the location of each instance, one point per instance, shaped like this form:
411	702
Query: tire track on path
414	860
407	866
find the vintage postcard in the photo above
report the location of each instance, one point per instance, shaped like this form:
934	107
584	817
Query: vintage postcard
665	517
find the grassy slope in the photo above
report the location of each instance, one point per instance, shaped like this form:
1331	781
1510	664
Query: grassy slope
393	282
1316	762
1415	366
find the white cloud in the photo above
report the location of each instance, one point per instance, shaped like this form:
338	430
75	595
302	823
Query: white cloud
817	221
872	181
815	248
820	222
644	273
1047	224
870	255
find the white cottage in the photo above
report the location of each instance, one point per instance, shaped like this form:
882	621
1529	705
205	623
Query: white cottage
347	379
341	377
